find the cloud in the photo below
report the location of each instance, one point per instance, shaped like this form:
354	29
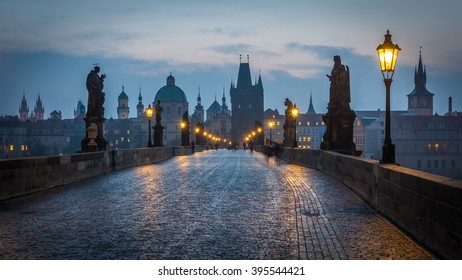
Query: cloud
227	31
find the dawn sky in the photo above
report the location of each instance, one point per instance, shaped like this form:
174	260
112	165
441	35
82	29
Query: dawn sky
49	46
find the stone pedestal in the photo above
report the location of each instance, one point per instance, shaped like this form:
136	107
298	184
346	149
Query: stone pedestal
88	143
339	131
158	135
185	135
289	133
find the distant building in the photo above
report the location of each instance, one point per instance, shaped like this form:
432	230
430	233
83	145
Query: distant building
23	109
174	102
310	127
123	110
39	110
246	103
423	141
198	115
80	110
420	100
140	106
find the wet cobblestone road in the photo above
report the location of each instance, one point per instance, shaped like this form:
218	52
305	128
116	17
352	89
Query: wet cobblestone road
210	205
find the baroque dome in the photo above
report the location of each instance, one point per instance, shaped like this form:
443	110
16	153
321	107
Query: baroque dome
170	92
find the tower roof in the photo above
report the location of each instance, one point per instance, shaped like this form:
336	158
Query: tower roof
244	80
420	79
311	108
170	92
123	95
215	106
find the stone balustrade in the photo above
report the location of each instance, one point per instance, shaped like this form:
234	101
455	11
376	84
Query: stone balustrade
28	175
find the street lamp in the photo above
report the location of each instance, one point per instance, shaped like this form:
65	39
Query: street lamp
388	54
295	115
271	124
149	112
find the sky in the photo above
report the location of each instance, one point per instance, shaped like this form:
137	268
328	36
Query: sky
48	47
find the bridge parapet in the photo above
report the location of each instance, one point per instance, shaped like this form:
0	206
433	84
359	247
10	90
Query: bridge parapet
24	176
427	206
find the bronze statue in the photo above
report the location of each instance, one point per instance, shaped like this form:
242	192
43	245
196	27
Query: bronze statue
339	92
95	85
158	110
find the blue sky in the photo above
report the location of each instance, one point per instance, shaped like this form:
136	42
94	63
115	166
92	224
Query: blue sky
49	46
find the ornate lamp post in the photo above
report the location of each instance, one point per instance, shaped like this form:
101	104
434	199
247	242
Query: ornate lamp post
388	54
295	115
149	112
271	124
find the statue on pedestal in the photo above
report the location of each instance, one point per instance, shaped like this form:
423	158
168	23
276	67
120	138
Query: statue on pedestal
185	130
95	111
289	125
158	128
339	118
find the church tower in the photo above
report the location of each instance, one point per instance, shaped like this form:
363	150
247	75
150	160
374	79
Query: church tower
199	109
420	100
246	103
23	109
140	106
224	107
123	110
39	110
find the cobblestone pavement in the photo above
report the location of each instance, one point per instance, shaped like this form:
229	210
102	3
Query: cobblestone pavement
210	205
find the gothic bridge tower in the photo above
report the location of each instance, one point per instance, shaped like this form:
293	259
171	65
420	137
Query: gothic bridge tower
246	103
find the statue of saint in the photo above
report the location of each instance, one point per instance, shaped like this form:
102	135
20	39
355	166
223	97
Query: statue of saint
186	117
158	111
339	93
288	111
95	85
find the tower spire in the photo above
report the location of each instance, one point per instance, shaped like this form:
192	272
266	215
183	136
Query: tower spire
311	107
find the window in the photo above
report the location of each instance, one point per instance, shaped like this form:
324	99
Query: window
429	164
419	164
436	147
309	139
167	110
453	163
443	163
436	164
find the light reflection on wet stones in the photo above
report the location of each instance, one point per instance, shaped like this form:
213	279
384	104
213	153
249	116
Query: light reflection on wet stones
210	205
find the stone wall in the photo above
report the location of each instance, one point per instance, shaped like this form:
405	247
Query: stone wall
426	206
24	176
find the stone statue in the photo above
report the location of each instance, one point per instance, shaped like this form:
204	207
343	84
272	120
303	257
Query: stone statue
339	93
158	110
95	85
186	117
288	111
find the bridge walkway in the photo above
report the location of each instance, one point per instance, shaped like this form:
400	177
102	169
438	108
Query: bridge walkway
210	205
